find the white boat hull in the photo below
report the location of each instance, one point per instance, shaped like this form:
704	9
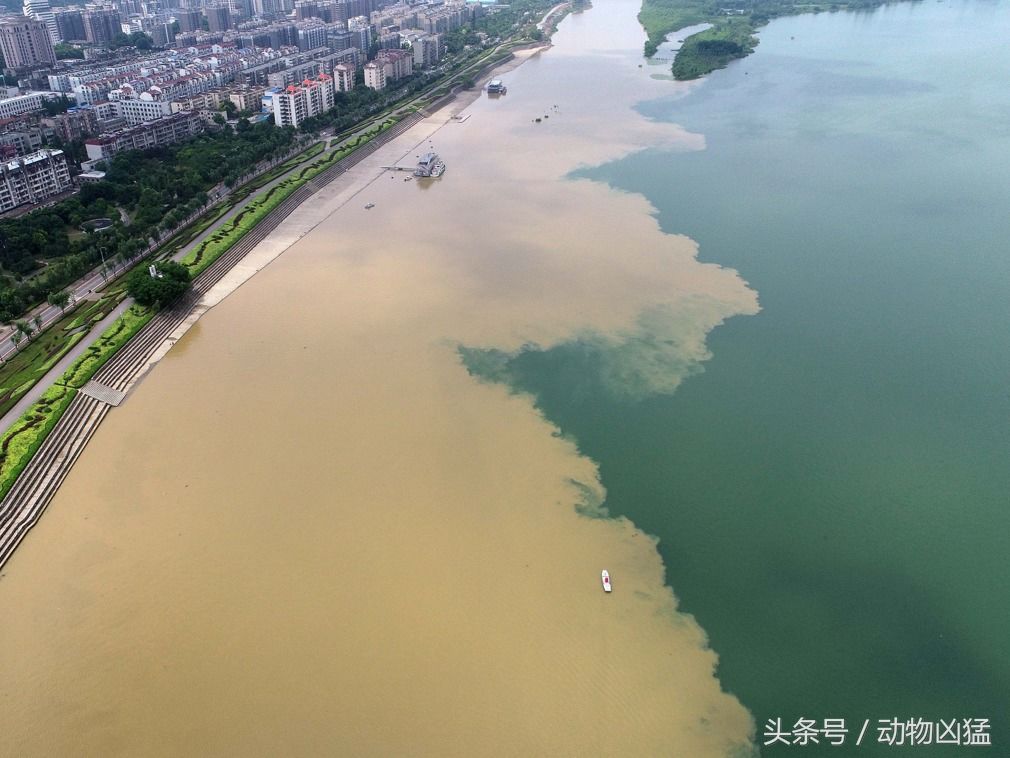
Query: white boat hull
606	582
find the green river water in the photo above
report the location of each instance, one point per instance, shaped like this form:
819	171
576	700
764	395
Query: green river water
831	490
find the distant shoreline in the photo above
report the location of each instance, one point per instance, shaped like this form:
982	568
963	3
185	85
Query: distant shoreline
732	35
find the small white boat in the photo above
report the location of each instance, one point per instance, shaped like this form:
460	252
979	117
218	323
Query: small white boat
606	581
369	206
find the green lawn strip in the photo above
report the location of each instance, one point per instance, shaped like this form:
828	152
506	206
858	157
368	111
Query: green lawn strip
95	310
21	371
194	230
290	163
113	338
76	322
55	358
25	436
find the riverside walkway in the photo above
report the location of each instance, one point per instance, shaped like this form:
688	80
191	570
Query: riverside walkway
28	498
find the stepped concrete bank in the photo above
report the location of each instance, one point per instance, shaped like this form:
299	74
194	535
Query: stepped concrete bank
28	498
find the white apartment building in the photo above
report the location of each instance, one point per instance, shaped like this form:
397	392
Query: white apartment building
174	128
33	178
138	110
33	101
299	102
343	77
375	76
40	11
426	48
397	64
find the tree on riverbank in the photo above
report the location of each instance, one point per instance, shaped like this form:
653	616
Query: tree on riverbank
59	299
169	285
43	251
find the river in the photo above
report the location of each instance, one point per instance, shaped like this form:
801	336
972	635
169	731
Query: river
830	493
362	506
310	531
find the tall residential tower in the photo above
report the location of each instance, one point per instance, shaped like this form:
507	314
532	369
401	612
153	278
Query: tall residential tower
40	11
25	42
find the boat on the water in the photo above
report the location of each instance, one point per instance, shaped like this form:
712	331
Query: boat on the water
430	165
369	206
606	581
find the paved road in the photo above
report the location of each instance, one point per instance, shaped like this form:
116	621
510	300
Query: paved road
90	283
61	366
551	12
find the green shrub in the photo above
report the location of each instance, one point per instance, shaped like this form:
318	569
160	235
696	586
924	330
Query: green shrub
26	435
113	338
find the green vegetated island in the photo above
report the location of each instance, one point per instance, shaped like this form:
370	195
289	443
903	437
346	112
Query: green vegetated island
733	26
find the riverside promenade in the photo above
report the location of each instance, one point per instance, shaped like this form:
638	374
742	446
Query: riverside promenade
28	498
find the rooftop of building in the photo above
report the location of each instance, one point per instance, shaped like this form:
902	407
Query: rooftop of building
111	137
27	160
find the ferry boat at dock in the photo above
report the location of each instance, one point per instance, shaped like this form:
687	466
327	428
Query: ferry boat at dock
430	165
496	87
606	581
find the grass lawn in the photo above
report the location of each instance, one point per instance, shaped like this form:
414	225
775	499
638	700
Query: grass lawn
23	369
113	338
19	443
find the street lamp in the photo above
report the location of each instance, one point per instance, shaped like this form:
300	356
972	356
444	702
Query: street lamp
101	250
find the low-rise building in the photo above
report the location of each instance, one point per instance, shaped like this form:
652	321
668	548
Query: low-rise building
295	74
397	64
164	131
21	142
76	123
205	100
139	110
246	98
33	178
33	101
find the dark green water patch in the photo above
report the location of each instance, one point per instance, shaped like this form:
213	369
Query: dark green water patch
832	490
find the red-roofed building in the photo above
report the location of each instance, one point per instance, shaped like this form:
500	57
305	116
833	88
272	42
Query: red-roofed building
299	102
